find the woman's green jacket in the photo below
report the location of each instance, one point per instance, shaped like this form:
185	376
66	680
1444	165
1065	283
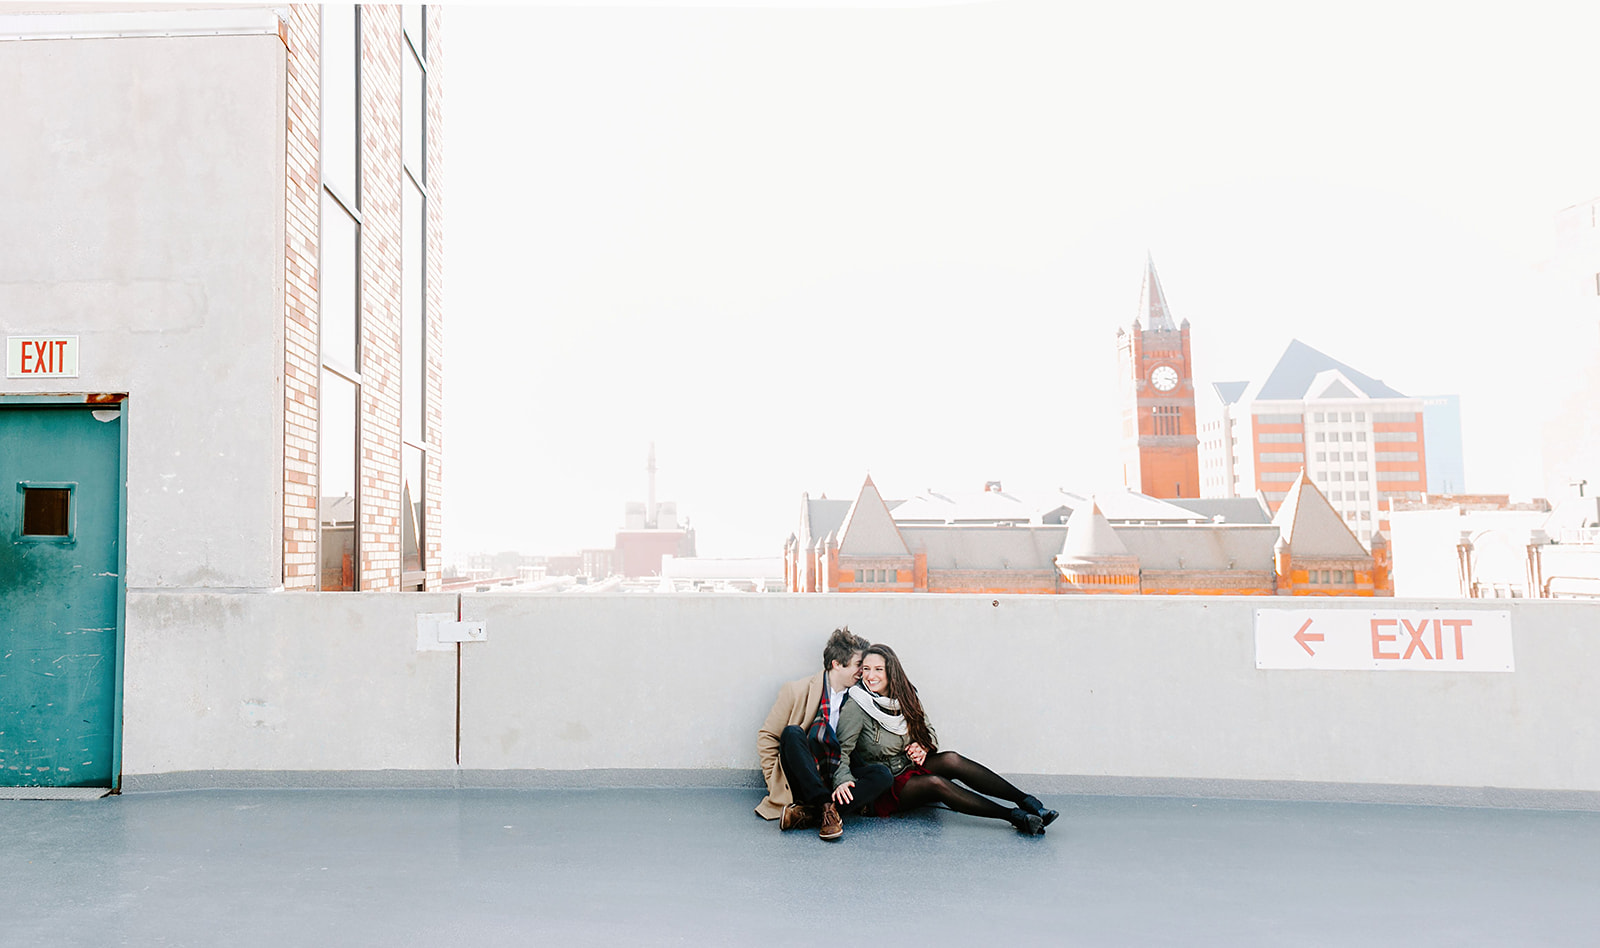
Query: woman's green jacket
862	740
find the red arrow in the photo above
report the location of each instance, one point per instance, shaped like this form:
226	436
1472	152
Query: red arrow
1303	637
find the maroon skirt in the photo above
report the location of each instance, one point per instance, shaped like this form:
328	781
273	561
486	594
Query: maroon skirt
888	803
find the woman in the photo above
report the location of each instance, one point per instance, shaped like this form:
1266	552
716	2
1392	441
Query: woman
883	722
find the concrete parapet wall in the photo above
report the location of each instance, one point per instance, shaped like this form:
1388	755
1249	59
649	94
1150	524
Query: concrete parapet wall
1090	692
285	681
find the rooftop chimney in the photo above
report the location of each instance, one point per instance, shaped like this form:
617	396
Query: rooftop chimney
650	495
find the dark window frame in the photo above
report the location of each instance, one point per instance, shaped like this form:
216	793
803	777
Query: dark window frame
415	47
70	538
351	204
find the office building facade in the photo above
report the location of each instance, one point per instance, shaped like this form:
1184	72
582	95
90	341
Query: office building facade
1359	440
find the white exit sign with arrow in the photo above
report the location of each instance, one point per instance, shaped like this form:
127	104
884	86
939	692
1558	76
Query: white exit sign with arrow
1437	640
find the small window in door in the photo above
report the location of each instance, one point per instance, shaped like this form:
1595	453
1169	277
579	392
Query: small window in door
46	511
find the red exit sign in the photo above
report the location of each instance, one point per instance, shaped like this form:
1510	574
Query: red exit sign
1384	639
30	357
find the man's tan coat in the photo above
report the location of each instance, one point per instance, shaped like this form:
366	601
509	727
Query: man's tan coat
797	704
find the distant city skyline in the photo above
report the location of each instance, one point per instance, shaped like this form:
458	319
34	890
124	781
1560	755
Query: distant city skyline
796	246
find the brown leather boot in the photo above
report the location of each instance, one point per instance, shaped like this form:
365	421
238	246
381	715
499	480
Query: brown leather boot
832	827
799	816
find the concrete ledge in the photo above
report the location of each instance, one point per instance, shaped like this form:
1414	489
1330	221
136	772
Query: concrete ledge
663	778
1042	784
290	780
53	793
1515	798
442	779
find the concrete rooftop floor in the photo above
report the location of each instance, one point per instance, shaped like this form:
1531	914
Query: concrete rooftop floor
696	866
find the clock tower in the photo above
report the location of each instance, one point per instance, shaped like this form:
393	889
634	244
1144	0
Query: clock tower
1160	445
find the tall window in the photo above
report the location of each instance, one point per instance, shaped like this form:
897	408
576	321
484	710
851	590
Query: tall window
336	446
413	294
339	283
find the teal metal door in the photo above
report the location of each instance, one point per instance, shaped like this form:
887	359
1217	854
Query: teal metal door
60	517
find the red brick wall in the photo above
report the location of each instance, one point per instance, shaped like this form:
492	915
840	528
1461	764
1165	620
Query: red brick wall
378	519
1171	471
379	477
993	582
301	195
639	553
1156	463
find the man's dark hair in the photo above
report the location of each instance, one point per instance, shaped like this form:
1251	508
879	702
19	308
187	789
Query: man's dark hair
842	646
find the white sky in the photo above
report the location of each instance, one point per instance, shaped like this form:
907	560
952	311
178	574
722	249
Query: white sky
793	246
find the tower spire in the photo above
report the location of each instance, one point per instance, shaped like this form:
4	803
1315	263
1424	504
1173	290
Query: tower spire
650	496
1152	302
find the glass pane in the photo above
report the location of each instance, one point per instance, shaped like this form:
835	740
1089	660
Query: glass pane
44	511
413	348
336	451
339	97
411	523
411	21
336	282
414	109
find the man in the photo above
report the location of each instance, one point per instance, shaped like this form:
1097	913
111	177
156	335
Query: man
799	744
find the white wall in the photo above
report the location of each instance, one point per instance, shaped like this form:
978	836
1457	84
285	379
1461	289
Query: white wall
285	681
1139	687
1422	544
142	181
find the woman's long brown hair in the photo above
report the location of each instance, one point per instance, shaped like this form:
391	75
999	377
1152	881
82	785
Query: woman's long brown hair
903	691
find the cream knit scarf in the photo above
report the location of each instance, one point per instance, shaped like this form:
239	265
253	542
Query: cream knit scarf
886	711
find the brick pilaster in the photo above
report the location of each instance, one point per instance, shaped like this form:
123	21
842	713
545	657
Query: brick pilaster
302	188
378	521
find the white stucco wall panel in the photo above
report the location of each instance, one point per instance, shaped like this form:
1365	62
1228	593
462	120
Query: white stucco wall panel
144	214
574	681
285	681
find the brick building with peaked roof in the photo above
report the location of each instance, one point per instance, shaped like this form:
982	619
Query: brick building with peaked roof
1066	544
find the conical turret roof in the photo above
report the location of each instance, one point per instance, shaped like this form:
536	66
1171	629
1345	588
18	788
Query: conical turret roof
1153	302
1089	535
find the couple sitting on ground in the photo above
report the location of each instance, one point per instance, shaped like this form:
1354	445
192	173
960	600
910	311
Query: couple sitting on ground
854	737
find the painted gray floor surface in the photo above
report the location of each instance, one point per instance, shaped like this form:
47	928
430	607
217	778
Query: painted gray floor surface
666	867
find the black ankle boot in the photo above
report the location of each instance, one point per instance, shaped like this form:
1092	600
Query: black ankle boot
1028	824
1032	805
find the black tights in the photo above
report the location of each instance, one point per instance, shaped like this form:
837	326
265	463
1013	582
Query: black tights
947	766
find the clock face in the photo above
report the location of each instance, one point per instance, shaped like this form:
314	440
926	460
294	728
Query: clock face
1164	378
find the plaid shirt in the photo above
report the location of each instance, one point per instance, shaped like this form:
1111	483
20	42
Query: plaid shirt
824	742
